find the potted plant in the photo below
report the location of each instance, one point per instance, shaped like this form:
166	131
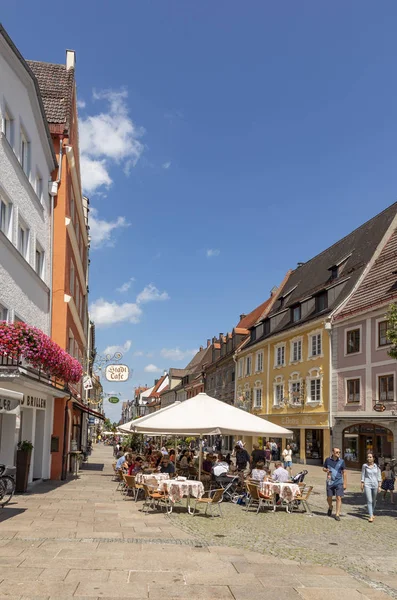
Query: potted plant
24	454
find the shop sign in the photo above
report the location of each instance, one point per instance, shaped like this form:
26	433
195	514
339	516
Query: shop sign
34	402
87	383
91	420
304	421
117	372
113	400
8	405
379	407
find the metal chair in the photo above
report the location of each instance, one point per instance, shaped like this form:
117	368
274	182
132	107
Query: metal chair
255	496
211	501
302	499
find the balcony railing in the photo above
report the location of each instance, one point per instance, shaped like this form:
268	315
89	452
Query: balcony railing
17	365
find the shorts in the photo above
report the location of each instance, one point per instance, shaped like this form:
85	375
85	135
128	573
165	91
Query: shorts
287	463
335	490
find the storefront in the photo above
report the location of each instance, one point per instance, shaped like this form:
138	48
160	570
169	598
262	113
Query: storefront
310	440
27	414
358	439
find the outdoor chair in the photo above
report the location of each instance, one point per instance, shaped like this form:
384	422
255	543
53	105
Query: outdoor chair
211	501
255	496
120	479
192	473
302	500
154	498
132	486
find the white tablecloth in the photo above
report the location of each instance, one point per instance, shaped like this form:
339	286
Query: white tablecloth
151	477
178	489
286	491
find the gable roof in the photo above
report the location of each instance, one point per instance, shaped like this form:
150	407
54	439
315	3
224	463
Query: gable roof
353	252
56	86
249	320
199	359
379	285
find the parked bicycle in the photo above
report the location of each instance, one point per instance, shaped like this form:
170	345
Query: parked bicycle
7	484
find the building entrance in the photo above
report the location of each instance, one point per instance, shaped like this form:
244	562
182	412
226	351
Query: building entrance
366	437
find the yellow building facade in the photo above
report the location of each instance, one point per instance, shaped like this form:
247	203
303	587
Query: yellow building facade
285	379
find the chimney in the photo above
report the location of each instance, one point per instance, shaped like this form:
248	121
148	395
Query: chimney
273	291
70	59
201	348
300	264
242	316
208	343
221	338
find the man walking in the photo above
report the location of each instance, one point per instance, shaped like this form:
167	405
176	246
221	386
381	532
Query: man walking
336	481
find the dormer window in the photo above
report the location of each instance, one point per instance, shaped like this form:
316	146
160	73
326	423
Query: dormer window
296	313
334	272
321	302
253	334
266	327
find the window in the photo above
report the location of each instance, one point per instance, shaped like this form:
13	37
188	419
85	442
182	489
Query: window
5	217
382	333
321	302
23	241
315	344
353	390
71	344
296	392
39	262
233	376
296	351
3	313
315	390
266	327
240	367
386	388
258	397
8	127
280	356
278	393
24	153
353	341
259	362
334	272
296	313
39	187
253	335
71	278
248	365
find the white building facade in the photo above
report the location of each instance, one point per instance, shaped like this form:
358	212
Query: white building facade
27	161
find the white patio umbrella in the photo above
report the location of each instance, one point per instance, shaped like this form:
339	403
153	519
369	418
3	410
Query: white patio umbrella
130	427
203	414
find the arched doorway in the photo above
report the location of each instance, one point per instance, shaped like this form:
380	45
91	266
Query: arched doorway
365	437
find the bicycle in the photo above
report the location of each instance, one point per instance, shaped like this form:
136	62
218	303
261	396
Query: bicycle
7	484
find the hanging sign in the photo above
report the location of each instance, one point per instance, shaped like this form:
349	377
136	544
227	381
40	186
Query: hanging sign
87	383
379	407
113	400
117	372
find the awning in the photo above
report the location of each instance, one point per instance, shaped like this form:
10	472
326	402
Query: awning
88	410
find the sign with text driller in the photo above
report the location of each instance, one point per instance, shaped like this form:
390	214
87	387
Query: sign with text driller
117	373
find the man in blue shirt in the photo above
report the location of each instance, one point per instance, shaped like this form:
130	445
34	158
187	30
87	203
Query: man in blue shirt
120	462
336	481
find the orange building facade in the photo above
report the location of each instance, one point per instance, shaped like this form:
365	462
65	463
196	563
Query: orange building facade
69	326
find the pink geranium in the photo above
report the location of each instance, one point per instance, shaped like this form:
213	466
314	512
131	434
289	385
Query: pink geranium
25	341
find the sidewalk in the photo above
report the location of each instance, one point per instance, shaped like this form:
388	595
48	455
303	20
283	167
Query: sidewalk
81	540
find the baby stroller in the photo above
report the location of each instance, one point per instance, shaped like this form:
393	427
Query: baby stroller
299	477
229	485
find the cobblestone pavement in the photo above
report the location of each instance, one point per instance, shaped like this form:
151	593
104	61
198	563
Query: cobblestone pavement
82	539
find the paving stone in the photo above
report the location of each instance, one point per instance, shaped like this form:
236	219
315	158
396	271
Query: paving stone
330	594
193	592
19	574
37	588
111	590
87	575
256	592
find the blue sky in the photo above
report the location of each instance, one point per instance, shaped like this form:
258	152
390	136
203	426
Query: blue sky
223	142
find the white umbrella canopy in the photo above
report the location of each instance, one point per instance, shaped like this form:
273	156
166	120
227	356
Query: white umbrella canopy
130	427
203	414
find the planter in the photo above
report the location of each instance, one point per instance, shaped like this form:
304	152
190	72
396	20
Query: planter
23	466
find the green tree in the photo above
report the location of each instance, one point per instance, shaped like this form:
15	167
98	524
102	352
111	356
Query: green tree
392	330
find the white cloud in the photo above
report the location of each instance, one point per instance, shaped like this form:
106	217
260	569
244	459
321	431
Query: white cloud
123	349
138	353
126	286
151	293
93	174
212	252
101	230
166	165
108	313
152	369
108	137
177	354
81	103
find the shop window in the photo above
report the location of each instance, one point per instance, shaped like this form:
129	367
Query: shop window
314	444
386	388
382	333
353	341
352	391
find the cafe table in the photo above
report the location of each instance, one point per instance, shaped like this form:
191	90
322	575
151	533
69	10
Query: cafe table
151	477
177	489
287	492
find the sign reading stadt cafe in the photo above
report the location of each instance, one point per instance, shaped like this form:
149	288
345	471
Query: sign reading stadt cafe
117	372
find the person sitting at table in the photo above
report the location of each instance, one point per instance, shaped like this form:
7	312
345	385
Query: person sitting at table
136	467
167	466
172	455
259	474
121	461
207	463
184	462
280	474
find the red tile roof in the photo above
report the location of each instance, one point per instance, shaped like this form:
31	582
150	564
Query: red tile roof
56	85
249	320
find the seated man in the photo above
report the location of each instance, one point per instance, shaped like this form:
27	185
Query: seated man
167	466
121	461
280	474
136	467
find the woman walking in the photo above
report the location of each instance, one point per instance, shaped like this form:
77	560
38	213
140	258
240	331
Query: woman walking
371	480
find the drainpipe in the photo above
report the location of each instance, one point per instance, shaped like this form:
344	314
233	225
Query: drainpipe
53	192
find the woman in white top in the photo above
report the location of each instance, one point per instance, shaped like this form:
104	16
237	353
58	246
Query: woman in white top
287	456
259	473
371	481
